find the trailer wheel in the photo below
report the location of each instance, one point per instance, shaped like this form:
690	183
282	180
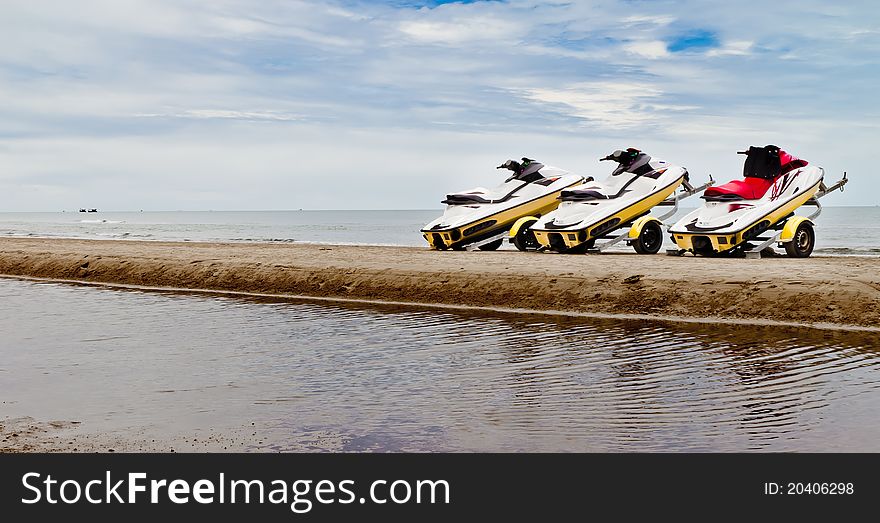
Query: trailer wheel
650	239
525	240
801	246
491	246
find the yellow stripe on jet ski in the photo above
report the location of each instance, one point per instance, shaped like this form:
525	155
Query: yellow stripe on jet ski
541	205
725	242
570	236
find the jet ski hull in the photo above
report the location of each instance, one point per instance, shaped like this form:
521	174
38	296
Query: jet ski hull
580	233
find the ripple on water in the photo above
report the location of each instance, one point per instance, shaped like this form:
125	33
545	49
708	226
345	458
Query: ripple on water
398	378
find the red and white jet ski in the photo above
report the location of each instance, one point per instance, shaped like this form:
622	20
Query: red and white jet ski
758	208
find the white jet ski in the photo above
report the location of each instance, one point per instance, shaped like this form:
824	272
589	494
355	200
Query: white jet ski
595	210
734	215
481	217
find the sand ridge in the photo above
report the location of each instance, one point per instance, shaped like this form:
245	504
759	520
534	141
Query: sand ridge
830	290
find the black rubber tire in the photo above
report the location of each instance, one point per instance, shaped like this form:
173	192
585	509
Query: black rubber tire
650	239
525	239
801	246
458	247
581	248
492	246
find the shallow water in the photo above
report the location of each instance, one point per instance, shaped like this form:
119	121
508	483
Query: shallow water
299	375
840	230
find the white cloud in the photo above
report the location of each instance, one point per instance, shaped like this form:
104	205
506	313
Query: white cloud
642	20
272	116
733	48
612	104
475	29
651	49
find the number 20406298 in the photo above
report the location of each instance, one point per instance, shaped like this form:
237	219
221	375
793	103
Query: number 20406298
809	488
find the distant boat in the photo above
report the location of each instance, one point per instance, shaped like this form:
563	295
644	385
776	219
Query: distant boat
82	210
93	210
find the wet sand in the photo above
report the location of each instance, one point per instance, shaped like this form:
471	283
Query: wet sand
830	291
25	434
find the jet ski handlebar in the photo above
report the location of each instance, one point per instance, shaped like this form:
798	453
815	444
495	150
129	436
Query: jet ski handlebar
515	166
511	165
621	156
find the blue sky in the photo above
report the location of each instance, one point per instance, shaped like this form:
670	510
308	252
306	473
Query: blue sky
234	104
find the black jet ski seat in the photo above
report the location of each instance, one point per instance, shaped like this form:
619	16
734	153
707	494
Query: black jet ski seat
631	161
527	172
579	195
466	198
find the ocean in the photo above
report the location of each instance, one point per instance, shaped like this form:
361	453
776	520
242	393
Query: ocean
839	231
160	371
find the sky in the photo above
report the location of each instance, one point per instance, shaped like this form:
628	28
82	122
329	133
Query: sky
288	104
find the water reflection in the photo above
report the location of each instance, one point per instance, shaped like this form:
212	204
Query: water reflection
324	376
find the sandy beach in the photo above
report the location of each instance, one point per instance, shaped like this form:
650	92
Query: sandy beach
829	291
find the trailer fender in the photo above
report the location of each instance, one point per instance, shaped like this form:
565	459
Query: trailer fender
639	224
523	223
791	226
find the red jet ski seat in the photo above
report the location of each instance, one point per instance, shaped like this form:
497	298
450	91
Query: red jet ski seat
762	168
747	189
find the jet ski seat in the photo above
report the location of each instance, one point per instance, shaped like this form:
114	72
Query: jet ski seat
598	191
762	168
480	195
640	166
751	188
464	198
579	195
529	171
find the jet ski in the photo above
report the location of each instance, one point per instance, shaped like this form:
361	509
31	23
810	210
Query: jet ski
738	213
595	210
480	218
